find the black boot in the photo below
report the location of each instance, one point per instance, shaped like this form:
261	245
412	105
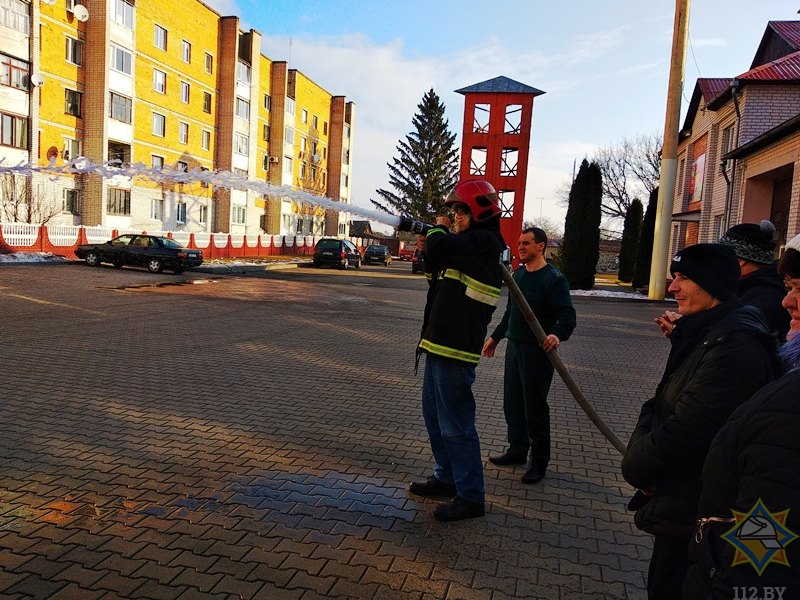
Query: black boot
535	472
509	457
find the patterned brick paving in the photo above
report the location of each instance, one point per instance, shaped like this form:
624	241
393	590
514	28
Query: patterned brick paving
253	437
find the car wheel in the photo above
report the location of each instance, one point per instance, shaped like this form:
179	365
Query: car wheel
154	265
92	259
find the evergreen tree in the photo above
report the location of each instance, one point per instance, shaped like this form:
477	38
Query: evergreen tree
641	277
631	234
580	249
426	167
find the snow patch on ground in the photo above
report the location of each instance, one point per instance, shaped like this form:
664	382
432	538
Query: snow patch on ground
31	257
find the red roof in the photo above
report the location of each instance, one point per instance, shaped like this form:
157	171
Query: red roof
712	87
786	68
788	30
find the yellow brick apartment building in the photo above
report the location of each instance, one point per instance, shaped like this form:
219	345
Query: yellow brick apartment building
166	86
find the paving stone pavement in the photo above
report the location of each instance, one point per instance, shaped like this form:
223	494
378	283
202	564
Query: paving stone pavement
254	437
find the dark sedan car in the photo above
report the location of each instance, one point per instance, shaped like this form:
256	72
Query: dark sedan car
377	253
417	262
154	252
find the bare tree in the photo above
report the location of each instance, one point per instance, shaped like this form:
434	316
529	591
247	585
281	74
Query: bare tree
630	169
552	227
19	203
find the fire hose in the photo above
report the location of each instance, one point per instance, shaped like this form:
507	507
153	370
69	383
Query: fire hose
558	364
406	223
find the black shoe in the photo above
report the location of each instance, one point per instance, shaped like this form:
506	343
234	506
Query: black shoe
534	474
458	510
433	488
509	458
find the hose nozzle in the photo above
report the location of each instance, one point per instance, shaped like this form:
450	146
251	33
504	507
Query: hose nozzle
409	224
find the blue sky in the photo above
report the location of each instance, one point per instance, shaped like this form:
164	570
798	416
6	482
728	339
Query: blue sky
603	65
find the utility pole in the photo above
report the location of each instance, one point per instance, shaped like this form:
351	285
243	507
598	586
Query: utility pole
669	153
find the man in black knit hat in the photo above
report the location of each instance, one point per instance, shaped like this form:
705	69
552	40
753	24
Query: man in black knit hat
721	353
759	283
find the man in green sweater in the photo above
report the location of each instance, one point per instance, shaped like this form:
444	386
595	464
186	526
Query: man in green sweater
528	371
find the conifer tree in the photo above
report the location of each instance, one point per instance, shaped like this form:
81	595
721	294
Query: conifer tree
641	277
426	166
580	249
629	248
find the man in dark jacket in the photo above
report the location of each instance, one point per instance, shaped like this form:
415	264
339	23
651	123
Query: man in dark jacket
759	283
721	353
463	270
755	458
528	371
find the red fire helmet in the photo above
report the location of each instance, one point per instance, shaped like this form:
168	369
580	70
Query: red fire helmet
479	195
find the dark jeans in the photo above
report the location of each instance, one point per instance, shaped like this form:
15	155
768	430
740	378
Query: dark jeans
528	375
668	567
448	407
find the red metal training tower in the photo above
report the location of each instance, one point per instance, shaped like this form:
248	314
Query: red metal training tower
495	144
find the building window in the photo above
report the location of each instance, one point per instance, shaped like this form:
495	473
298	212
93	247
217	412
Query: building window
241	144
180	214
727	143
120	108
74	52
206	102
182	166
159	125
13	72
288	134
122	13
287	164
159	81
160	37
70	202
119	202
242	72
265	133
314	122
157	162
238	215
72	149
267	102
185	92
203	216
347	131
121	60
324	128
242	108
183	133
304	116
72	103
14	14
205	141
186	51
209	63
290	104
157	209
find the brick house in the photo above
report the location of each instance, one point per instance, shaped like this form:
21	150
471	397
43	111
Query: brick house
739	148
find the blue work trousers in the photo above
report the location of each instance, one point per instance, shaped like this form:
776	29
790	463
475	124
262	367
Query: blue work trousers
448	406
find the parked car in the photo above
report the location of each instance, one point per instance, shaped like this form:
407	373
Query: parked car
417	262
332	252
151	251
407	253
377	253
